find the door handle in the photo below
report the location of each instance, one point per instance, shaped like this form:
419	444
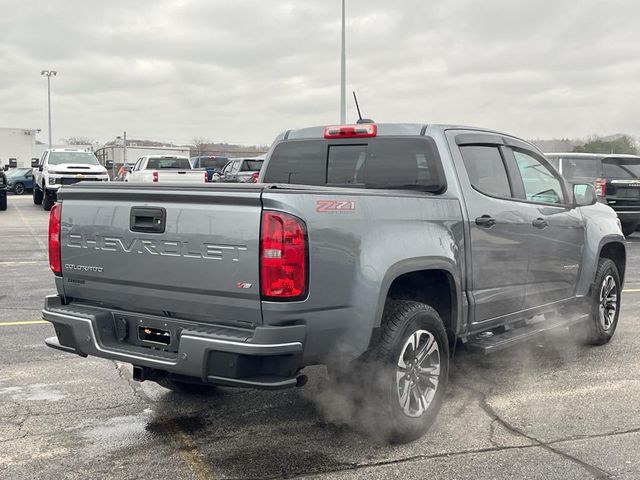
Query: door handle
485	221
540	223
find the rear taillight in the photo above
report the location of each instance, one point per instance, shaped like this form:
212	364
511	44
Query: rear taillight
254	177
351	131
154	176
54	238
601	185
283	257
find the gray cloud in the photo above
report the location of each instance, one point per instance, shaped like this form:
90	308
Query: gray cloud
241	71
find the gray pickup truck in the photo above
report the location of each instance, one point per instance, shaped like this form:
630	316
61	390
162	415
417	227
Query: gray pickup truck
370	248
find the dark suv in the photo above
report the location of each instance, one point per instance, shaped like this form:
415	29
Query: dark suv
616	178
3	191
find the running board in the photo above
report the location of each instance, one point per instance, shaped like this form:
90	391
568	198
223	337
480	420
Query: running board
486	343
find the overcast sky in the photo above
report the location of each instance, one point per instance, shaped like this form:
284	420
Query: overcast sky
244	70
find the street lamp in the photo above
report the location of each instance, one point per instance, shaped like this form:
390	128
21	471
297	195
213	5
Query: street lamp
343	73
49	74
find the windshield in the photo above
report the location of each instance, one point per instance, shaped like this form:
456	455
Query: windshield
75	158
621	167
169	162
580	167
217	163
18	172
253	165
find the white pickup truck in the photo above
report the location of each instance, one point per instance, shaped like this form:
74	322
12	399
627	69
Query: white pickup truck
63	166
164	169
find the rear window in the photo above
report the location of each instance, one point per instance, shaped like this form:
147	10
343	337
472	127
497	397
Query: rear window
169	162
252	165
387	163
580	167
74	158
621	167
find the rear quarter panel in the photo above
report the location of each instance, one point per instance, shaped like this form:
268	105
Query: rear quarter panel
359	242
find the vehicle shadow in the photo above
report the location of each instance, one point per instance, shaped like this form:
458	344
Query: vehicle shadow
266	434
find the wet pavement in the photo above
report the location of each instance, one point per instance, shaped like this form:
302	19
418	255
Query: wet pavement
549	409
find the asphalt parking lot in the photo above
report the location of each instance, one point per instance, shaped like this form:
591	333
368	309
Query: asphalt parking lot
550	409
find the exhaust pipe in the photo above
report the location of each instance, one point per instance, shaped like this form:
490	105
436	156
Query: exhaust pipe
301	381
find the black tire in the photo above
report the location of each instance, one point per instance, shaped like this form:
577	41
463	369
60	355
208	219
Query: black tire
602	322
18	189
402	321
37	195
629	228
3	201
48	200
194	388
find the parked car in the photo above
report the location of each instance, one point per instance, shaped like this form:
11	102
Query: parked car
211	163
63	166
164	169
369	248
616	179
241	170
3	191
20	180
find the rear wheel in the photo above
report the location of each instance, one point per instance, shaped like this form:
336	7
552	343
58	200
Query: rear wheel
605	306
18	189
3	201
195	388
628	228
409	371
37	195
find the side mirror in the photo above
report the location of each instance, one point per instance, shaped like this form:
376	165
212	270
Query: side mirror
584	194
35	162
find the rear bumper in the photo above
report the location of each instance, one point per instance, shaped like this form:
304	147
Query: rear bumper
628	216
267	357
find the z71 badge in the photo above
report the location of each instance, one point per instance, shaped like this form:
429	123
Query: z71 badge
324	206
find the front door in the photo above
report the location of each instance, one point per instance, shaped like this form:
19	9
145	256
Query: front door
557	231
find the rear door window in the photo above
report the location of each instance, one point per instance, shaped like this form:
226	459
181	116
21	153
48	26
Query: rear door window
486	170
621	167
385	163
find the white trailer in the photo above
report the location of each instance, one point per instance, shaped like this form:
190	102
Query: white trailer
113	156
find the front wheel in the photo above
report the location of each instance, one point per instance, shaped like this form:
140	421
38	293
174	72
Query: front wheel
18	189
605	306
3	201
37	195
410	370
48	200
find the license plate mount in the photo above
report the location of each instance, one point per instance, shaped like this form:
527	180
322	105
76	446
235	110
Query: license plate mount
156	336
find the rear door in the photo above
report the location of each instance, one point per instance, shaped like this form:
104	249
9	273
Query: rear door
498	228
184	252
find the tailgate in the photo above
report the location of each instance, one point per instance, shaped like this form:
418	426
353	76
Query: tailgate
182	176
203	265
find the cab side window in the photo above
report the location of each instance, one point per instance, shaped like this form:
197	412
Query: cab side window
540	183
486	169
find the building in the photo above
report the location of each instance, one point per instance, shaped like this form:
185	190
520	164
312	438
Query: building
21	144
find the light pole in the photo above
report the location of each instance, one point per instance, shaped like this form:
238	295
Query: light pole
49	74
343	73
